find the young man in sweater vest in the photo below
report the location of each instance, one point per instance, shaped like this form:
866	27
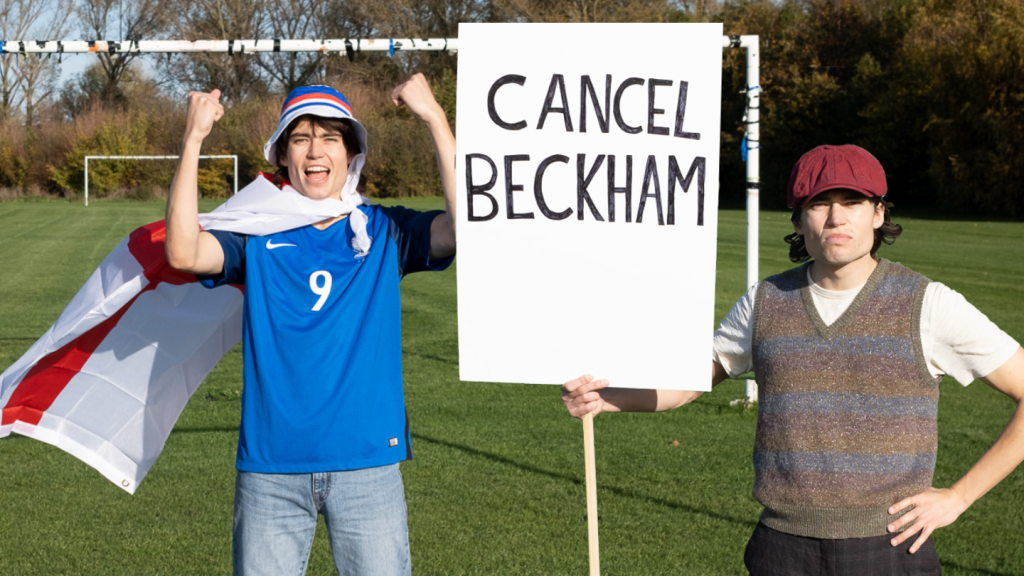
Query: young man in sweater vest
848	351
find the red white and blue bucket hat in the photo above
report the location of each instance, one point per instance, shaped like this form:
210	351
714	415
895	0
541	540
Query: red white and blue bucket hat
322	101
326	102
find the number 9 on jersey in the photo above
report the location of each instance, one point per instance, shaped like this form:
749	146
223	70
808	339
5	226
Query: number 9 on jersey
322	290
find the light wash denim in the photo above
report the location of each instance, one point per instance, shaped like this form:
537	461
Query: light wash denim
276	515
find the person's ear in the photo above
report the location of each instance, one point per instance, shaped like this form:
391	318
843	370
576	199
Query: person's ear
879	215
798	223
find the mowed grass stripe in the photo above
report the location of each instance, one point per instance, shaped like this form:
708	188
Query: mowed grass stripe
497	483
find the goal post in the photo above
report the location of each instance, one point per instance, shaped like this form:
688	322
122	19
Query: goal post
233	157
752	156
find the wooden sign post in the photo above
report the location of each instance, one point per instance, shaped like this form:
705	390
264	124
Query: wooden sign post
590	465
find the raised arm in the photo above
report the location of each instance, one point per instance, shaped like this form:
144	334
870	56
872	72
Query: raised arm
416	94
187	248
586	395
938	507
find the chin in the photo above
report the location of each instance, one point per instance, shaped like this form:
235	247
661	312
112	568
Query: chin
841	258
315	193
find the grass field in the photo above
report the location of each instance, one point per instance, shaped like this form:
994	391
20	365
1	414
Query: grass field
497	483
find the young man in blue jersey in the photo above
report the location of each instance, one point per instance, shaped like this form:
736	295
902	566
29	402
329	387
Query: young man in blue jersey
323	416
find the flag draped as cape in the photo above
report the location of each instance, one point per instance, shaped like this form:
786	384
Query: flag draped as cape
108	380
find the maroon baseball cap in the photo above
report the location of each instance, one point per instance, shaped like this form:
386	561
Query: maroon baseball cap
829	167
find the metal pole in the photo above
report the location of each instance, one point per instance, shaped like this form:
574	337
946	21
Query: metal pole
86	180
343	45
752	152
236	173
753	144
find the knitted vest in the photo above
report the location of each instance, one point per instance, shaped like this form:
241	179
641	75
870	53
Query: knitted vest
846	422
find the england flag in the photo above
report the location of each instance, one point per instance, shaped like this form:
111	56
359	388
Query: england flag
108	380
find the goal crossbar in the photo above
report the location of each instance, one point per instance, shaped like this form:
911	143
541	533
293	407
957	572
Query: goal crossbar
233	157
348	46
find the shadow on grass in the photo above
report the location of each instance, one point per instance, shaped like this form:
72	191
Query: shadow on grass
432	357
950	565
580	482
202	430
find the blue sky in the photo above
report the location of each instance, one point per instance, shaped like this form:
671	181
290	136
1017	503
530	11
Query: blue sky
73	64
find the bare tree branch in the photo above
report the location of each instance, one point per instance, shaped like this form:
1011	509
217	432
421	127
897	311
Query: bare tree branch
236	75
136	19
17	18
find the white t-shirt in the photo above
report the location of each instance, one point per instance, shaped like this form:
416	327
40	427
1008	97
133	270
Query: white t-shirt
956	337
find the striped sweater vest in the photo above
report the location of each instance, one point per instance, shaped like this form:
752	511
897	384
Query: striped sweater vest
846	422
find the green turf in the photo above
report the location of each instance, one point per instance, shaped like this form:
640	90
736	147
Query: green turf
497	483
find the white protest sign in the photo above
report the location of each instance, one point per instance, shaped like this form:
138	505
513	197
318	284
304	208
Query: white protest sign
587	171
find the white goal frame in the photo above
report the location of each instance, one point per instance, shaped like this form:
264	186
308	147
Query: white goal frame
233	157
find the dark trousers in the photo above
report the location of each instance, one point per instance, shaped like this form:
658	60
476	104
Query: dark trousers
774	553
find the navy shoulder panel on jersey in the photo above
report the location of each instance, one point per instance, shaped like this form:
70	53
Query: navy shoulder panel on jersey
410	230
233	245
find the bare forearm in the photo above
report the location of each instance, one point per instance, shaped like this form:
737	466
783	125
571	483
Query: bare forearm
1008	450
416	94
443	241
444	147
628	400
186	247
938	507
586	395
182	217
1002	458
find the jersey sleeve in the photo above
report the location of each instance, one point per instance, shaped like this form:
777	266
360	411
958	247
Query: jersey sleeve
410	230
233	245
732	342
958	339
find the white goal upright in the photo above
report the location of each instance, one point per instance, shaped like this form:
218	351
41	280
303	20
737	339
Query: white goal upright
233	157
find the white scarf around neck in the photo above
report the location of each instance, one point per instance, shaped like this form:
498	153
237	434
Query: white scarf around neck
264	210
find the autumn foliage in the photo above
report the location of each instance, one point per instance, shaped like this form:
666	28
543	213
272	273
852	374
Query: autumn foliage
934	88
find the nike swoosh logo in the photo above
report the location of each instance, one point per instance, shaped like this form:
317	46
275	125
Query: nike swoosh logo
271	245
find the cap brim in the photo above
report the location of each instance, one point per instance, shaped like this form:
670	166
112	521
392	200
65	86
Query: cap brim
828	187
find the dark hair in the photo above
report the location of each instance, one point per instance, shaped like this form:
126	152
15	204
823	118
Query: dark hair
339	125
887	233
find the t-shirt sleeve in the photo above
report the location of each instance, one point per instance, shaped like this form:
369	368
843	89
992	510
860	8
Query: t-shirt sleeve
732	342
233	245
410	230
958	339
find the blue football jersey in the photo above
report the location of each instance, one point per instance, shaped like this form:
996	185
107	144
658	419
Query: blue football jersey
322	342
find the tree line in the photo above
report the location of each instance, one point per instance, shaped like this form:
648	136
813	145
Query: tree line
934	88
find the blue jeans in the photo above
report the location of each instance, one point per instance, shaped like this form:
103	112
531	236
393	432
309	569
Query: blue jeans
276	515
